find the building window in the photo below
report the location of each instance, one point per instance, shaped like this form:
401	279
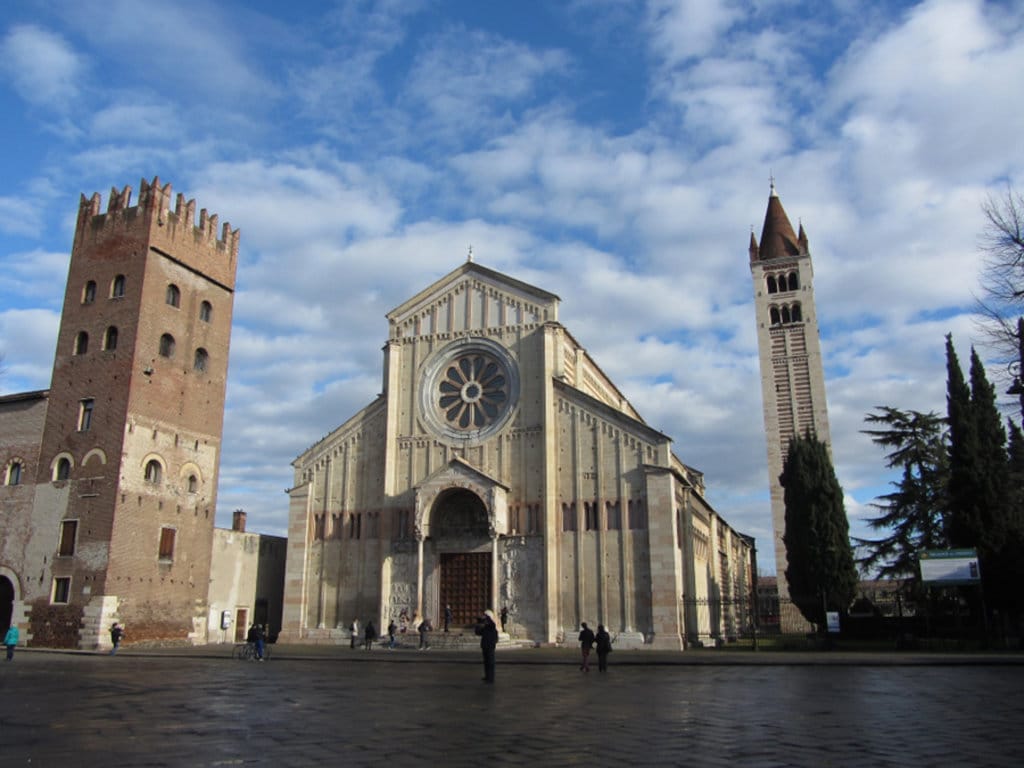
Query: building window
167	345
590	513
167	543
794	281
193	483
68	530
117	287
153	472
81	343
200	361
614	513
786	317
13	473
355	525
61	590
797	314
85	408
63	469
568	517
772	286
110	338
773	314
205	311
173	295
89	292
402	524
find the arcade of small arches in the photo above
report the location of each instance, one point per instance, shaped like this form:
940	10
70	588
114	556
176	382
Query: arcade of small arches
785	314
782	282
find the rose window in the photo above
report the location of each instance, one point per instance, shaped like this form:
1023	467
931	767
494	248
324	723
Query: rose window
469	390
473	392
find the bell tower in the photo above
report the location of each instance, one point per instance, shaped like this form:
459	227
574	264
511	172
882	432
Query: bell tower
792	373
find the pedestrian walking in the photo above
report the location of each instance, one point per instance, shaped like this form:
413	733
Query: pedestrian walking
11	641
586	644
447	617
391	634
371	633
504	616
353	631
603	646
488	633
116	633
425	627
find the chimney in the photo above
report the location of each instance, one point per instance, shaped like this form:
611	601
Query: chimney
238	520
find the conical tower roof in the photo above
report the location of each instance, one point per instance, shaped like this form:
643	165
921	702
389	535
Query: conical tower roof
778	240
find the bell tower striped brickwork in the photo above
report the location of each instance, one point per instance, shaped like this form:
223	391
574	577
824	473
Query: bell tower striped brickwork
792	373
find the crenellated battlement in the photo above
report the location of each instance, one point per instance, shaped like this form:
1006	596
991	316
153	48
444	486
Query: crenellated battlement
154	203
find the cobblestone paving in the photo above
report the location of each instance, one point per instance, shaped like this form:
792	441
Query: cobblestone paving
67	710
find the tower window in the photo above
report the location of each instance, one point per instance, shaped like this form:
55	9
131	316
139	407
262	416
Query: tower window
173	295
773	314
794	281
81	343
772	285
167	345
205	311
167	543
85	408
797	315
201	359
153	472
63	469
61	590
786	317
14	473
193	483
68	530
117	287
110	338
89	292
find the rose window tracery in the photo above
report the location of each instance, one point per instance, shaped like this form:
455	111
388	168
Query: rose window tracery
473	392
469	390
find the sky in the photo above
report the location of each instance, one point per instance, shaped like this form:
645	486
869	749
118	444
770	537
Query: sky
614	152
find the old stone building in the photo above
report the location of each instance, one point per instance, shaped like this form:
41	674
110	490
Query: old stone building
501	467
792	373
110	477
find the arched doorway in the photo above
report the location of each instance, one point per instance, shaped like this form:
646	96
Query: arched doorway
6	603
461	535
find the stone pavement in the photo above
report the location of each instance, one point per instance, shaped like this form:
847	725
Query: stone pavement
312	706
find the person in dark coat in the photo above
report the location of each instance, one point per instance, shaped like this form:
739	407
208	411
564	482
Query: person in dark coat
424	628
603	645
371	633
116	633
488	632
447	617
586	644
504	617
391	634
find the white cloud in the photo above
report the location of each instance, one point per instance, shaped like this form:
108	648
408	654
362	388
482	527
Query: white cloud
41	65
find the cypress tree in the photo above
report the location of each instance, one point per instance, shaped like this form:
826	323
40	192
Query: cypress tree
820	568
964	517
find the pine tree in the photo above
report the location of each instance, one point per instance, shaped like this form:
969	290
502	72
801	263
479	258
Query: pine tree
821	573
913	515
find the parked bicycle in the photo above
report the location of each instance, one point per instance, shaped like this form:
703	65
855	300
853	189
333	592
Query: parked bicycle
247	651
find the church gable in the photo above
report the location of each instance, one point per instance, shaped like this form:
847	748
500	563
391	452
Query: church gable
470	299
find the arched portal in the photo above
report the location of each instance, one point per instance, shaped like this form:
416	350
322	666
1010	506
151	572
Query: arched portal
461	536
6	603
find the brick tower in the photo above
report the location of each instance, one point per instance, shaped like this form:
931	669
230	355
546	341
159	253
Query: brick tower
131	444
792	374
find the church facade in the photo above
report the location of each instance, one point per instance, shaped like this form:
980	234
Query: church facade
501	468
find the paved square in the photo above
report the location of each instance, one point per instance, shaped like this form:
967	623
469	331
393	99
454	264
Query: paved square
407	709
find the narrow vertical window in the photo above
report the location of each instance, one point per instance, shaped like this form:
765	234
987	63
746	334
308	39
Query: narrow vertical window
110	338
81	343
167	345
117	287
205	311
794	281
773	313
85	408
167	543
63	470
153	472
193	483
68	530
61	590
200	360
173	295
772	287
89	292
14	473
